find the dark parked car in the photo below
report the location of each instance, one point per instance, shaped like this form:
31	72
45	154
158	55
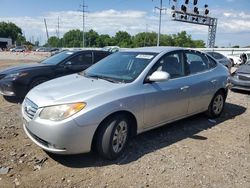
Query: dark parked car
221	59
241	78
17	81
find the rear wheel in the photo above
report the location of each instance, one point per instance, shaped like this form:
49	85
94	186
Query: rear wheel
216	105
113	137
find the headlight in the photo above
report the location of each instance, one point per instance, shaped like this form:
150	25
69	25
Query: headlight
16	75
61	112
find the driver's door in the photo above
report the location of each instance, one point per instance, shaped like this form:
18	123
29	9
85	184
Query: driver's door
167	100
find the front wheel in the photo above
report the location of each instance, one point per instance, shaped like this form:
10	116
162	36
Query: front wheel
113	137
216	105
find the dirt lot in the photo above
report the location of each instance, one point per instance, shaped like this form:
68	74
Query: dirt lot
195	152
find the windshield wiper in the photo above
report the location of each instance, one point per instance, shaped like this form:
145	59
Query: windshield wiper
102	78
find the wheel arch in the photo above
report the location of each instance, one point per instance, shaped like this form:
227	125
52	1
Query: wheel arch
130	115
37	77
223	90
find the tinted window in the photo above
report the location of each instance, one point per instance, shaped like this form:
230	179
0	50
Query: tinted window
99	55
216	55
55	59
196	62
82	59
212	63
172	64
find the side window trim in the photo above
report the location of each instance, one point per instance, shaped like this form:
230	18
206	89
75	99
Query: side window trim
199	54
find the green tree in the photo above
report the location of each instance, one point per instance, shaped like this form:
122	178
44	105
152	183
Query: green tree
10	30
20	40
199	44
183	40
123	39
72	38
105	40
54	42
91	38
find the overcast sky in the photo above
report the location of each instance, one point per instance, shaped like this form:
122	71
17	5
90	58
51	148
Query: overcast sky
133	16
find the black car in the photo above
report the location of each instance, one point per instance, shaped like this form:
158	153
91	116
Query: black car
17	81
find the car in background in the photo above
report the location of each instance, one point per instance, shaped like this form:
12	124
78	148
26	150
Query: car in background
17	81
111	48
240	80
18	49
125	94
235	59
43	49
221	59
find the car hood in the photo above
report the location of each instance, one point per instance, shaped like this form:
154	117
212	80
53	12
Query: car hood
23	67
245	69
69	89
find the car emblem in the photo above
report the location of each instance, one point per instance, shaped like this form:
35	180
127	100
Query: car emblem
27	108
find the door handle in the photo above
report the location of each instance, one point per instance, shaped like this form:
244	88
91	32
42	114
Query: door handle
184	88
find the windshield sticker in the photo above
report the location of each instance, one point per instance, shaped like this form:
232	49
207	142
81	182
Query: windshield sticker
69	53
144	56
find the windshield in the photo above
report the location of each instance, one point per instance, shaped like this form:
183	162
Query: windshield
121	66
55	59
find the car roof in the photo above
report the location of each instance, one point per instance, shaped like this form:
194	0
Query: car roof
154	49
83	50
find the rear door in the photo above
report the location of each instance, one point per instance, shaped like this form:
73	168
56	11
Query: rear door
202	81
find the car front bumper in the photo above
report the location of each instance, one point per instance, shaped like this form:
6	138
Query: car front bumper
13	88
6	88
64	137
236	83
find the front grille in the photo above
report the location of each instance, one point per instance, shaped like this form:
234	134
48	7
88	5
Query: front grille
30	108
243	77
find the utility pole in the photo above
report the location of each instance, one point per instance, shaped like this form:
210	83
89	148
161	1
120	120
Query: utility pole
58	28
83	6
46	29
146	33
159	31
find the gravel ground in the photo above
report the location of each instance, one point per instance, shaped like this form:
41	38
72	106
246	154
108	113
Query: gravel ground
194	152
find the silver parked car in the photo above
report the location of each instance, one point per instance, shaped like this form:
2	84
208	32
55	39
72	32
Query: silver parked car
122	95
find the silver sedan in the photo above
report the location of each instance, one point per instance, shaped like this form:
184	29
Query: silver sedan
123	95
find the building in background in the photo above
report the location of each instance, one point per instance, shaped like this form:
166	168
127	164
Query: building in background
5	43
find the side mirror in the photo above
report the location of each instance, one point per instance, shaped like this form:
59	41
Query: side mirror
159	76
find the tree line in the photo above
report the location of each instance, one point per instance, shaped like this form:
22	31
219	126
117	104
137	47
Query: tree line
74	38
123	39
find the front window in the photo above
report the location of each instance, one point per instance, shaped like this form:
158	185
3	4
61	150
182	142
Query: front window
121	66
55	59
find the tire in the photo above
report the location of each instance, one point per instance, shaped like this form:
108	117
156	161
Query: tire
37	81
113	137
216	105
